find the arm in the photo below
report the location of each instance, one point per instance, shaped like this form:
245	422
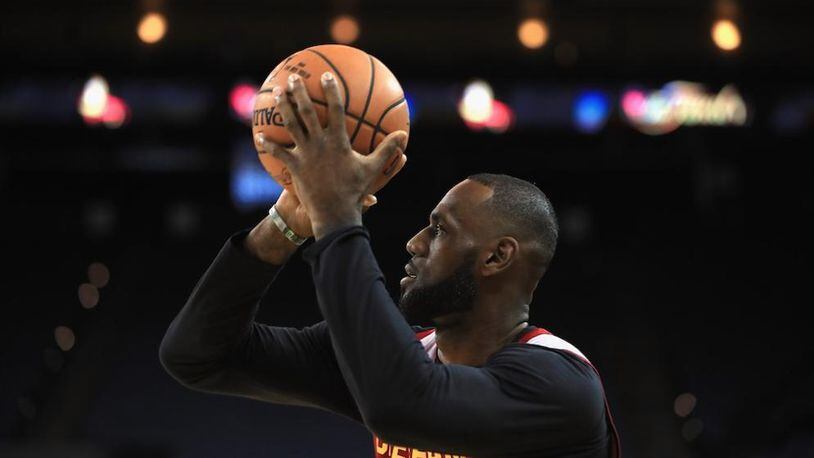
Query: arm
214	344
524	399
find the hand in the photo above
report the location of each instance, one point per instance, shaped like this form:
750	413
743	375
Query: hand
267	243
328	176
294	214
296	217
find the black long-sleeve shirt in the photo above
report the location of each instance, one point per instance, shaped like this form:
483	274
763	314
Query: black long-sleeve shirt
365	362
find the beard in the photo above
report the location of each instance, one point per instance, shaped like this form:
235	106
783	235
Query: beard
454	294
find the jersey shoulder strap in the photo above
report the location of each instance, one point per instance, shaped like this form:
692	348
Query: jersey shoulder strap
427	339
543	338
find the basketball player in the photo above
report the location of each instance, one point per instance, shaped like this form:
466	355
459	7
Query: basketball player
481	382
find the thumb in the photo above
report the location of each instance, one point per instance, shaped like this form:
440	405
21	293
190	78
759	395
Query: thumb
277	151
384	154
369	200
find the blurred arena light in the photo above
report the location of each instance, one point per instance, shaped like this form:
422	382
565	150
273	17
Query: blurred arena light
682	103
344	29
532	33
99	218
116	112
241	100
93	101
183	219
576	224
88	295
726	35
251	186
684	404
480	110
152	28
98	274
64	337
591	110
411	106
692	429
97	105
476	104
500	120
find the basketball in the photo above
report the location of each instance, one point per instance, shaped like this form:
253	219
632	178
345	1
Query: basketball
374	102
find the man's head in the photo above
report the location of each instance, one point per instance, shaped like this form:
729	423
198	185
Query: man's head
490	238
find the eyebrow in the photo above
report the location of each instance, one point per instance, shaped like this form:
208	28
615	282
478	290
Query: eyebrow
436	216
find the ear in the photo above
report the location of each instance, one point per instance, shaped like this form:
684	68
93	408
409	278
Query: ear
502	255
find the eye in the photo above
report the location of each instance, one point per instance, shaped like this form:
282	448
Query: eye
437	230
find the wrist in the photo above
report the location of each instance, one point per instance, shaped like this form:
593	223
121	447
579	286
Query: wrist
325	222
267	243
283	227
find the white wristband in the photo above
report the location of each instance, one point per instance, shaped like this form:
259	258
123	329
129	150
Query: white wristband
283	227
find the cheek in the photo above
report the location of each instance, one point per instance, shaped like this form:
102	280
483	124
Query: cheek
436	268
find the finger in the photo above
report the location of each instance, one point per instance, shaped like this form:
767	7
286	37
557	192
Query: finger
290	121
369	200
305	107
287	157
389	172
382	156
395	167
336	109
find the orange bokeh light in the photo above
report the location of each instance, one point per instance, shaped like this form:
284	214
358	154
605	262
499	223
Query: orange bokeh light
532	33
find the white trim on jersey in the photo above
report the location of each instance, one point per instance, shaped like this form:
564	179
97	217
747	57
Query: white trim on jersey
543	340
428	342
552	341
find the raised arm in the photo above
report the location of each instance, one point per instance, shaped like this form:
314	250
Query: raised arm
404	397
525	399
215	344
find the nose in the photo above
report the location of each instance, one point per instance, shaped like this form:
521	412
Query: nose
416	245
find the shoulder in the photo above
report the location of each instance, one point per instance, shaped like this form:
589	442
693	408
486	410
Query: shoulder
550	365
551	378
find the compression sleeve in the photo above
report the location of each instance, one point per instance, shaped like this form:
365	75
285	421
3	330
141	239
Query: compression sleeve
215	345
524	401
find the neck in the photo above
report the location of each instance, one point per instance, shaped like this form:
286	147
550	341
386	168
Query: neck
472	338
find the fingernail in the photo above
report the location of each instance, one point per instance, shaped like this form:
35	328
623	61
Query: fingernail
293	78
259	139
276	94
327	77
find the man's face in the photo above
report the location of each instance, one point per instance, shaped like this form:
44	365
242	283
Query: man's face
442	275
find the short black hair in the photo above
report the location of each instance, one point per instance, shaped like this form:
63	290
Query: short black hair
525	209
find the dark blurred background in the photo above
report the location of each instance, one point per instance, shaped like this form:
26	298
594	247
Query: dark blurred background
672	137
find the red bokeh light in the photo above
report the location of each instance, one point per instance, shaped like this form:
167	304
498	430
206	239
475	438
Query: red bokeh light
501	119
241	100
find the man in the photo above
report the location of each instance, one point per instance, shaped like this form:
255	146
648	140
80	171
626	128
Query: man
482	382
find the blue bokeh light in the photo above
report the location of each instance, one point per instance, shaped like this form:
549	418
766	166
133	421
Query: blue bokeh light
591	110
411	106
251	186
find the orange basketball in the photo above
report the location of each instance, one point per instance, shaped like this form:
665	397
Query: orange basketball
373	98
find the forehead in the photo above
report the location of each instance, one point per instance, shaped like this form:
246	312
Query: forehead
460	203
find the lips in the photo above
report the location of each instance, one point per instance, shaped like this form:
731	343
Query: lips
412	273
406	281
410	270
